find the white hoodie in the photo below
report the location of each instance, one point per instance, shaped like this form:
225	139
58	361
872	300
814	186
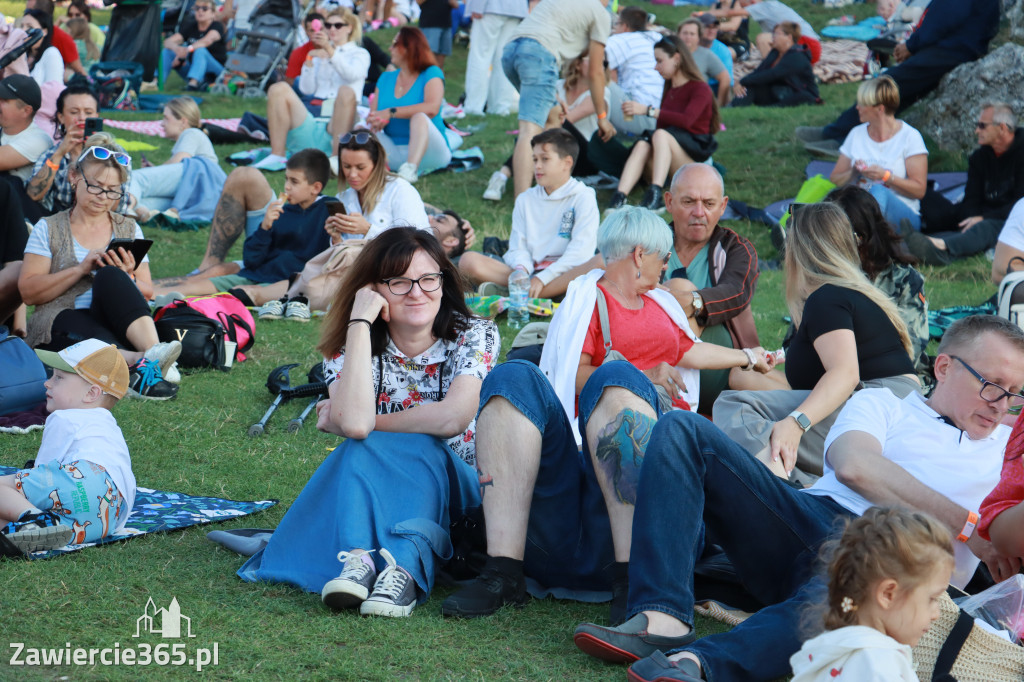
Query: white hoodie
560	227
856	654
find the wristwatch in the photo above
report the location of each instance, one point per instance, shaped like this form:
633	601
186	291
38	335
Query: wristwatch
393	111
698	302
801	419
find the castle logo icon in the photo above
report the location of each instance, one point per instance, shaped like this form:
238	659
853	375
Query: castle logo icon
164	622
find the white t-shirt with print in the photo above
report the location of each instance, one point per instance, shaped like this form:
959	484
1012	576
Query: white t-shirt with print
39	244
426	378
1012	233
399	205
90	434
632	54
195	142
891	154
916	438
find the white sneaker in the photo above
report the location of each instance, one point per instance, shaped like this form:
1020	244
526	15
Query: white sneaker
407	172
172	375
164	354
495	186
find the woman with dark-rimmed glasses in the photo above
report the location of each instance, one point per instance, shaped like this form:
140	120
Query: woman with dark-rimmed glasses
849	335
81	289
405	360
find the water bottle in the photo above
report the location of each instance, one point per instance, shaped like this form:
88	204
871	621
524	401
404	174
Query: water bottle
518	293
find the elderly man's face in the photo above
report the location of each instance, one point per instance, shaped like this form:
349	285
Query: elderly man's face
696	204
995	359
986	130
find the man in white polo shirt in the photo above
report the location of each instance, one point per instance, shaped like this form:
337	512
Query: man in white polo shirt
941	455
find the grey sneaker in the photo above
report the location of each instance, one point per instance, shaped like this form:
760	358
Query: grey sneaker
352	587
826	148
164	354
271	310
297	310
34	533
491	289
809	133
407	172
394	593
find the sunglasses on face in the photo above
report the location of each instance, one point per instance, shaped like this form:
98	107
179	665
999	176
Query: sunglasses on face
981	125
203	8
102	154
360	138
337	26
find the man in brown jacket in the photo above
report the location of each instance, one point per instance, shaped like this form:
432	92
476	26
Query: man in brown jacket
712	270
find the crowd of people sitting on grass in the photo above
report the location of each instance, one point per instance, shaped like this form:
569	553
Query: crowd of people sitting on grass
654	432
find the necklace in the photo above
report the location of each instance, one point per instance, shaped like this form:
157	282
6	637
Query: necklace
400	87
624	297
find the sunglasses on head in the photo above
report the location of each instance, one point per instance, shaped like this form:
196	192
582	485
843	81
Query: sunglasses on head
360	138
102	154
337	26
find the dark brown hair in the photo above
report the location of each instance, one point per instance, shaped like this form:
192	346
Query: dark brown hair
389	255
672	46
877	244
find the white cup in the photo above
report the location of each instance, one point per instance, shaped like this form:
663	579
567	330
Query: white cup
229	352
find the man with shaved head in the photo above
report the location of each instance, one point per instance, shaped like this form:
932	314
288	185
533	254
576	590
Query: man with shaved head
712	270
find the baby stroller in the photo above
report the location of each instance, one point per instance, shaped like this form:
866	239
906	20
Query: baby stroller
260	50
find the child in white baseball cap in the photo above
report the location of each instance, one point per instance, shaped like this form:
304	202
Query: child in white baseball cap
81	487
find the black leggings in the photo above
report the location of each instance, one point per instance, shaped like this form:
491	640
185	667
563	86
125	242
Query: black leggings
116	303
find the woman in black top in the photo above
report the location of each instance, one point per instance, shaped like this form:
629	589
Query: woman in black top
849	335
784	78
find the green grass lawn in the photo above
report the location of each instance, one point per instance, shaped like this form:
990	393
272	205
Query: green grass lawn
197	444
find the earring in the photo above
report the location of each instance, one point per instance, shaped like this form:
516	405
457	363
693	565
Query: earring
638	274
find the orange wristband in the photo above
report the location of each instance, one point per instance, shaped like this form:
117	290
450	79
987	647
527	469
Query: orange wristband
886	177
972	523
603	115
51	165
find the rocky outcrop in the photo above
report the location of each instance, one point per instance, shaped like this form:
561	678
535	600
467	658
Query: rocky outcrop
949	113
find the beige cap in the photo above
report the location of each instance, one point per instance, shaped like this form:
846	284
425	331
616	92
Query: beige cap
95	361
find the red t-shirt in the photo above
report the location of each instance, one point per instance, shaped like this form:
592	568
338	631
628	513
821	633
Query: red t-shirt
647	337
1009	492
296	60
688	107
65	45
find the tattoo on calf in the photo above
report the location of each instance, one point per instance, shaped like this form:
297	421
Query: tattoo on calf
620	451
485	480
228	223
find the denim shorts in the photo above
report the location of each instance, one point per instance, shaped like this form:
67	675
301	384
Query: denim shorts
439	39
533	71
253	219
311	134
568	538
81	493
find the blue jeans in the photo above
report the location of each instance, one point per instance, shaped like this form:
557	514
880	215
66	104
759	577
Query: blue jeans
568	538
893	207
397	491
693	475
533	71
196	67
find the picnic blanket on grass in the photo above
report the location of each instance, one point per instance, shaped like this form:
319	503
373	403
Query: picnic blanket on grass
157	511
842	61
156	128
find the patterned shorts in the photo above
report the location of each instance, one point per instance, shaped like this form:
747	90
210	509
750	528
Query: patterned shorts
81	493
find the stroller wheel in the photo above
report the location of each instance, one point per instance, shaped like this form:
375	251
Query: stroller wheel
253	92
219	89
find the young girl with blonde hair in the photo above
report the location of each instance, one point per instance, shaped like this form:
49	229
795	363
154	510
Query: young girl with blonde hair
886	576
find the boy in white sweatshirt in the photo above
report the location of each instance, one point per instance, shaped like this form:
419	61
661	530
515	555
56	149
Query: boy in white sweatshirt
554	224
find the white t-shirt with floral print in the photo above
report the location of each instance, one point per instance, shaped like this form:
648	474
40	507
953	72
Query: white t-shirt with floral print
426	378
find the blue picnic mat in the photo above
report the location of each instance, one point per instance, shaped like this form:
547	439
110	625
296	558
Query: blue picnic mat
157	511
